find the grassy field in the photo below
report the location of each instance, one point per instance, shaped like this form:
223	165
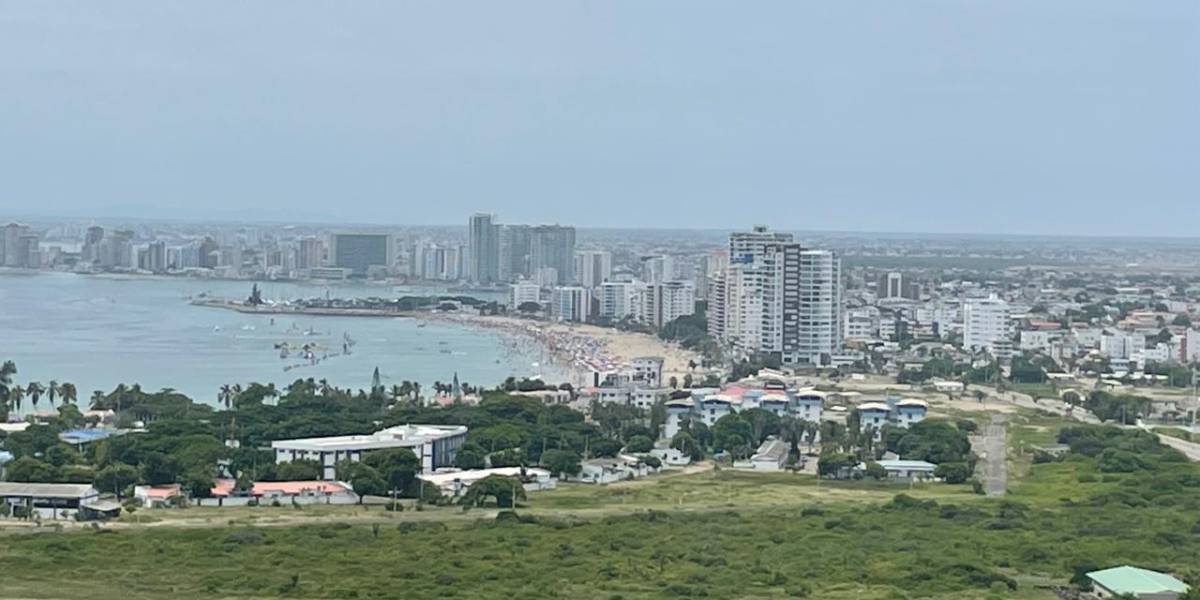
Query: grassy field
716	534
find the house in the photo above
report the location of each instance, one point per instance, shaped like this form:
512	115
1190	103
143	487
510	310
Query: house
456	483
157	496
947	387
1138	583
263	492
771	455
99	510
671	457
908	469
283	492
708	405
46	500
610	470
547	397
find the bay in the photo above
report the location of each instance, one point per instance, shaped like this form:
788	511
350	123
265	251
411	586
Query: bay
99	331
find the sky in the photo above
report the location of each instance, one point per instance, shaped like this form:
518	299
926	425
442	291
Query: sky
1077	117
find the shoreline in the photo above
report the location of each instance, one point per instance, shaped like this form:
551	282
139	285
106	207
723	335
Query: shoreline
580	348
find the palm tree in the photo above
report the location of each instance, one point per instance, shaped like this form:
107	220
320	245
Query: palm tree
225	395
51	391
17	393
68	393
35	391
97	399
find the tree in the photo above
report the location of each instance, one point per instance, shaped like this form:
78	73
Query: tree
953	472
639	444
34	390
875	471
685	443
834	464
297	470
561	462
529	307
673	382
115	478
364	479
470	456
198	482
606	448
397	466
31	470
506	491
159	469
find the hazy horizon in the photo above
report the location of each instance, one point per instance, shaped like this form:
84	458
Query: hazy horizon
1074	118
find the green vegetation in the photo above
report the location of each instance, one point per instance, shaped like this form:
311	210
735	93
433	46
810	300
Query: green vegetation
716	534
185	442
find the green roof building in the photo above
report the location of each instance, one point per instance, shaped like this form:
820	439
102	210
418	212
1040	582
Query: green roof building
1141	583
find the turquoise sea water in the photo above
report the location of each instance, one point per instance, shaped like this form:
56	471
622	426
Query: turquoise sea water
97	331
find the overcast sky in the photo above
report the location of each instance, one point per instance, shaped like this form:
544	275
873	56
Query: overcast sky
1021	116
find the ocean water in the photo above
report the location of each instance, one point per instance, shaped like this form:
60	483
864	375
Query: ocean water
98	331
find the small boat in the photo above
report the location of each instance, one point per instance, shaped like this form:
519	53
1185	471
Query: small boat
216	328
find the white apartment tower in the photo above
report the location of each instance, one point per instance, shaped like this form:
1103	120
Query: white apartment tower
664	302
777	297
570	303
986	325
593	267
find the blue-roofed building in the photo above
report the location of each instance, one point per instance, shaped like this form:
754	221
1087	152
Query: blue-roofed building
81	437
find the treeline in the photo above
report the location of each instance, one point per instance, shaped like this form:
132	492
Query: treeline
192	444
942	442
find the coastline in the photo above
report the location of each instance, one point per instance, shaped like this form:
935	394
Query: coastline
577	347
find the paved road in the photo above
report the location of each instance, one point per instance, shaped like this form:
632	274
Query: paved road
992	448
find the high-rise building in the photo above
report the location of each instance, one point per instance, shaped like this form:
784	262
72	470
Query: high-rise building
747	246
570	303
617	299
986	326
817	331
523	292
209	253
593	267
895	284
777	297
658	268
553	247
10	244
484	248
514	252
664	302
117	250
310	252
360	251
91	244
156	257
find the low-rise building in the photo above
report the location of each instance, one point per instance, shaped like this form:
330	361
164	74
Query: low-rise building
46	500
456	483
434	445
610	470
1139	583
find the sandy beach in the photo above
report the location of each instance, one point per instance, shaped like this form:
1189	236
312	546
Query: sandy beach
576	345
